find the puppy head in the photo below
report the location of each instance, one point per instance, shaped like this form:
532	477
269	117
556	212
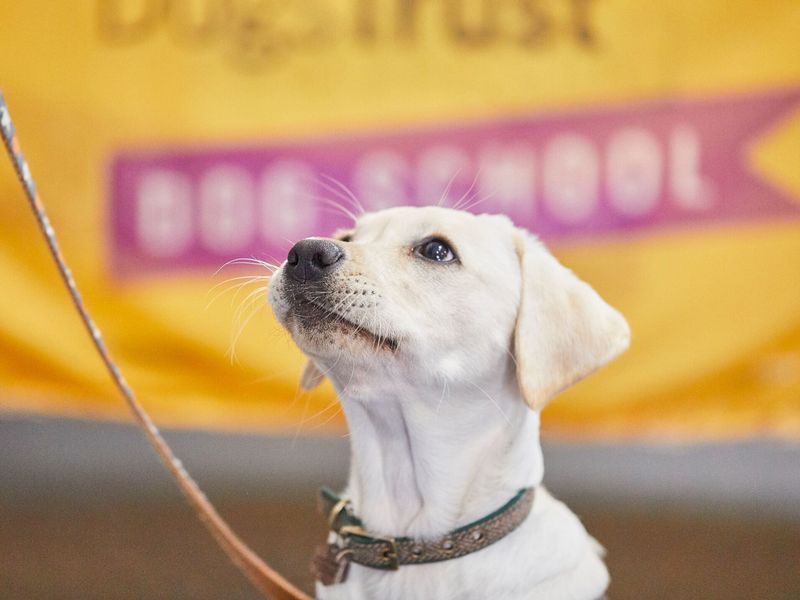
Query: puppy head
440	294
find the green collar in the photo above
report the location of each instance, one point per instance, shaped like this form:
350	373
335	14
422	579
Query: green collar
389	553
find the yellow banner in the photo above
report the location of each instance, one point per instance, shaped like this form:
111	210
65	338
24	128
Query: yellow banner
653	145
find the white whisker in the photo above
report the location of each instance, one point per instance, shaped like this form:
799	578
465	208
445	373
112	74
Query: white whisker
441	399
328	420
492	400
319	413
446	192
332	206
253	299
248	280
474	203
248	261
356	204
458	204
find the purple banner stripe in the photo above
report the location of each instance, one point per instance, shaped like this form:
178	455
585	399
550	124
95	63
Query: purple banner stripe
586	173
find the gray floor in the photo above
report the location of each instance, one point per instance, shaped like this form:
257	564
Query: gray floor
55	456
87	512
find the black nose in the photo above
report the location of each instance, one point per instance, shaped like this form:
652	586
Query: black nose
312	259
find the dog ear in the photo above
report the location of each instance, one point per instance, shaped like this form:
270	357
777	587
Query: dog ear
564	329
312	376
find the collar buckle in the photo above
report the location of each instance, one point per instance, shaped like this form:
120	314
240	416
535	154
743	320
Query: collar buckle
390	559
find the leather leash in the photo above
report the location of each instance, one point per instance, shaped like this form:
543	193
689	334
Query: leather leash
268	581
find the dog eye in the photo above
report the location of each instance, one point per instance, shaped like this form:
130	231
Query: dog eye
436	250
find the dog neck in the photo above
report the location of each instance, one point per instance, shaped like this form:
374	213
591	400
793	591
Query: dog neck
427	459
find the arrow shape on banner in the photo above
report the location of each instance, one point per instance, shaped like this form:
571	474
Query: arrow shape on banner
776	156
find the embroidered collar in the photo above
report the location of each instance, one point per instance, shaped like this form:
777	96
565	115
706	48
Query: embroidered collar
355	544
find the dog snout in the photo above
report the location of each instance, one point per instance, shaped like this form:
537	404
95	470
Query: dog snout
312	259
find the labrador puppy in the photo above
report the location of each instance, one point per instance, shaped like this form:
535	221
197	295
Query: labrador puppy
445	334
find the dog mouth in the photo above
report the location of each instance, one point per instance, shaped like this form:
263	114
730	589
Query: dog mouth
318	317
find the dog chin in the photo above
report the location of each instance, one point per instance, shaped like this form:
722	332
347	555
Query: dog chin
319	331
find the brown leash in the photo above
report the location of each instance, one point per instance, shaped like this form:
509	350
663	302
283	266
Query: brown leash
269	582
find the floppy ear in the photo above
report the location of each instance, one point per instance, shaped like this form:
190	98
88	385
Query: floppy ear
564	329
312	376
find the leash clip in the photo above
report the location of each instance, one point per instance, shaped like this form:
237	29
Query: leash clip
331	564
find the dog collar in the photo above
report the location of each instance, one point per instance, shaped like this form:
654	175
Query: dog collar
331	561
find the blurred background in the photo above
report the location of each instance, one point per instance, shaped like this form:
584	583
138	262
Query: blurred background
654	146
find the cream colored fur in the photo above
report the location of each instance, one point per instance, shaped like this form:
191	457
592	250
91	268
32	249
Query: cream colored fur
444	420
